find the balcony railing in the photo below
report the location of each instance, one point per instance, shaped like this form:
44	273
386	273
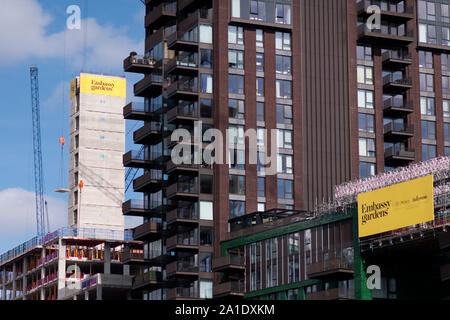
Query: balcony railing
181	266
398	127
183	293
406	37
365	4
231	288
188	187
161	13
402	56
182	214
400	153
147	228
391	79
189	87
138	63
178	240
229	261
148	277
332	294
328	267
128	255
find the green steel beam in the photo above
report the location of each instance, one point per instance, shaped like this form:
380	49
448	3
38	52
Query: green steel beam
297	285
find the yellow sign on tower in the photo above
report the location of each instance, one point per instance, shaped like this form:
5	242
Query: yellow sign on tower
105	86
397	206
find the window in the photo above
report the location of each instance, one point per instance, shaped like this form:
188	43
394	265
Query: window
257	10
260	86
236	59
260	137
428	152
206	289
283	88
283	41
206	210
237	208
426	59
445	85
284	114
236	8
259	111
261	207
365	99
366	122
261	160
283	13
236	134
205	262
206	83
206	58
447	151
237	159
427	106
206	236
445	13
365	75
285	189
237	184
445	41
206	184
260	62
426	82
235	35
284	139
427	10
206	108
366	170
236	108
427	33
447	132
259	38
283	64
284	163
366	147
446	108
261	184
205	33
364	53
445	62
235	84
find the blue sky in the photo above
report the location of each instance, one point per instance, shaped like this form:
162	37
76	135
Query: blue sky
34	32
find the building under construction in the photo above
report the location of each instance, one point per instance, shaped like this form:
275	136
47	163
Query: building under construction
68	264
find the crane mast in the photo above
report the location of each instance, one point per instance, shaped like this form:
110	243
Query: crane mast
42	222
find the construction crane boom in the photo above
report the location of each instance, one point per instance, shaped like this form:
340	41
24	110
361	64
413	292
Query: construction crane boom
42	222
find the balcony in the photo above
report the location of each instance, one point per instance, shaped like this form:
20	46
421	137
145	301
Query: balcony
171	142
138	64
185	4
183	65
161	14
335	268
149	182
375	35
133	257
332	294
396	132
183	190
183	217
137	111
231	289
183	114
182	168
230	262
176	41
150	133
176	242
388	15
183	90
151	279
183	293
137	208
395	59
395	157
397	108
396	84
149	231
182	268
150	86
135	159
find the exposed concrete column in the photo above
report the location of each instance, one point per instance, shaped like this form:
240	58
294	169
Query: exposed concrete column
4	284
99	292
42	290
14	276
126	270
107	259
24	277
61	264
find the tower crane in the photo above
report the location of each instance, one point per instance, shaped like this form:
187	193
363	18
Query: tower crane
42	221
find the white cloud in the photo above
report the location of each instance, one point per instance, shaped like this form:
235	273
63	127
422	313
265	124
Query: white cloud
24	23
18	212
56	97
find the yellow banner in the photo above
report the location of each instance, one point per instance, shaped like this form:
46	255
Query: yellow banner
103	86
73	88
394	207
